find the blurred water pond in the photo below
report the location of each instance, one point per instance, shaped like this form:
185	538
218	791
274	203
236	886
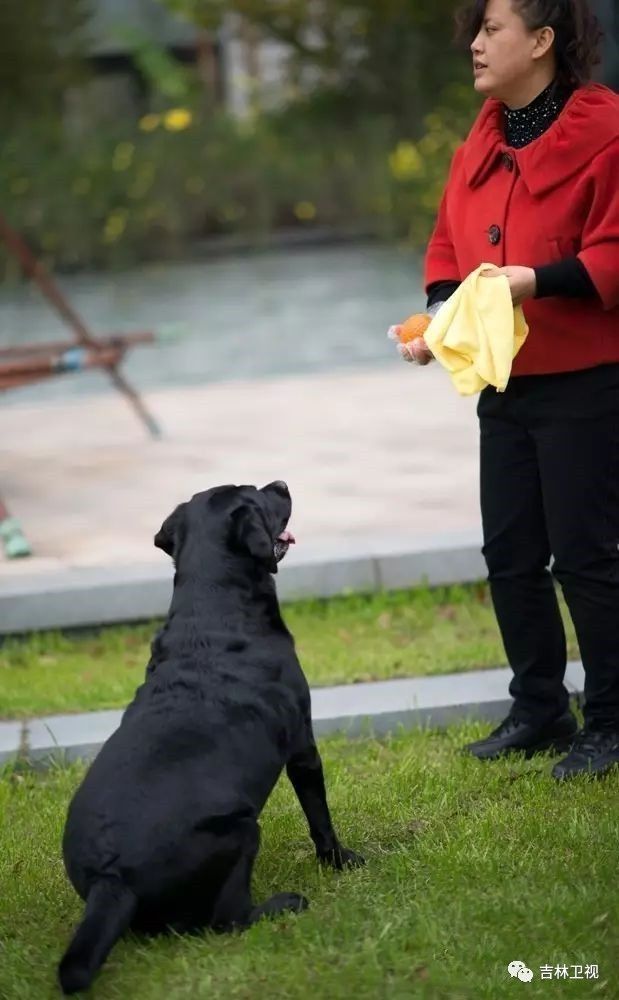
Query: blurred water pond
275	313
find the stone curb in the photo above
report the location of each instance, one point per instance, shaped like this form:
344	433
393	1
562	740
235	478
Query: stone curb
353	709
74	597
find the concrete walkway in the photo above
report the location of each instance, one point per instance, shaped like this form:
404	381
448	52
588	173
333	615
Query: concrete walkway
382	467
376	708
373	458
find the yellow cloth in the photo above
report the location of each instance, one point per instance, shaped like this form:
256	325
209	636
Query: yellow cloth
477	333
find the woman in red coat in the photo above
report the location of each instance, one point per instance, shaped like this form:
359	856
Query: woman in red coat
535	190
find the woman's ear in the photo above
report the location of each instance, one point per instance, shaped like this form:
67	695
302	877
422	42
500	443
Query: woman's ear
171	531
543	42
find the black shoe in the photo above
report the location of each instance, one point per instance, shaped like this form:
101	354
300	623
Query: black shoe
594	753
514	736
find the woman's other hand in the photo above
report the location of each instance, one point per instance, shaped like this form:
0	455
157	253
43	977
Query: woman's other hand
418	351
414	350
522	281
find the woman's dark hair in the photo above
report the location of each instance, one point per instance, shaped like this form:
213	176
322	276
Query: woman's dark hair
577	32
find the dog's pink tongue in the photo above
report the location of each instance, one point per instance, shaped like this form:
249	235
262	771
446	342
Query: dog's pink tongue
287	536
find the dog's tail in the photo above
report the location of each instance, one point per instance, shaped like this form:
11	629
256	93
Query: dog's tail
110	907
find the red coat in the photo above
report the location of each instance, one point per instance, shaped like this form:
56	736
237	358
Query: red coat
557	197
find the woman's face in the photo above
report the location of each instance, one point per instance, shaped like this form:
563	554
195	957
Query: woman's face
505	53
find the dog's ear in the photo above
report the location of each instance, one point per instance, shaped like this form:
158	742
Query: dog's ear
250	532
169	534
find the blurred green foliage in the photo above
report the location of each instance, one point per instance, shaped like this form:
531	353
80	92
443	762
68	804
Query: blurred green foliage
135	192
40	55
367	147
391	57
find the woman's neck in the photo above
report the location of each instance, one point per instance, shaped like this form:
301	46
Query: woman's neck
529	91
523	125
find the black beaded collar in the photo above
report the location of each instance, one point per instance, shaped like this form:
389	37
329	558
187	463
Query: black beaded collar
523	125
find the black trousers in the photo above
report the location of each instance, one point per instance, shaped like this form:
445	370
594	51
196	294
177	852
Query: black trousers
550	488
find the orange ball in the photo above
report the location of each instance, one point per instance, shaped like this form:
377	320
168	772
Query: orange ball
413	327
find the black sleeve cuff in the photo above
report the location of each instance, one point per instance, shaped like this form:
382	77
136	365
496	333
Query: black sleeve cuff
439	291
567	278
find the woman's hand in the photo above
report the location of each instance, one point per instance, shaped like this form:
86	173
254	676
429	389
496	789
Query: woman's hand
413	350
522	281
418	351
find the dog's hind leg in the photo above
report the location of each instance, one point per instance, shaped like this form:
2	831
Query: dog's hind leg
234	908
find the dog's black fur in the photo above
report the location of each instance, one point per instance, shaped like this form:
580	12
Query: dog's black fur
163	831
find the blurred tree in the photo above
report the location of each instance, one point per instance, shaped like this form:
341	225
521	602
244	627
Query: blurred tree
207	14
41	50
163	75
208	17
392	57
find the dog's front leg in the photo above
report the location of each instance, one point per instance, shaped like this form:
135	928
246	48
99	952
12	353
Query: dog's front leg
304	769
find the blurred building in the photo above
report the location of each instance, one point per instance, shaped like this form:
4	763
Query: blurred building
235	64
240	69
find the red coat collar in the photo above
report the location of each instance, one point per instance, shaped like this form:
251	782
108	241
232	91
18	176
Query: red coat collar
587	124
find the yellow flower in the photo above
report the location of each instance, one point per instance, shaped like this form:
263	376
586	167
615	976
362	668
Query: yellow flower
305	210
114	226
177	119
405	161
123	155
148	123
429	144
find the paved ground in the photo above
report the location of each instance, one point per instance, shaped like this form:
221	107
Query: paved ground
388	454
352	708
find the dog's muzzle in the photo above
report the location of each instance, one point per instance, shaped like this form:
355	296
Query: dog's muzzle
281	544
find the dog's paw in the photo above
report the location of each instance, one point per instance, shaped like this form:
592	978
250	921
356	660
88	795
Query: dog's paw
283	902
292	902
341	857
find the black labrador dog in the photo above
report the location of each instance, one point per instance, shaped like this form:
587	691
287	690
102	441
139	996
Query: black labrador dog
163	831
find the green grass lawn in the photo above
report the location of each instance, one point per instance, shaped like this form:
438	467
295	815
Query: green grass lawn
469	866
340	641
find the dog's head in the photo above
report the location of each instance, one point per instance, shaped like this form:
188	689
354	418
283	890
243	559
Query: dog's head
242	520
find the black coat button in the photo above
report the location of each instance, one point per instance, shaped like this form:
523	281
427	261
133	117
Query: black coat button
494	235
508	161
